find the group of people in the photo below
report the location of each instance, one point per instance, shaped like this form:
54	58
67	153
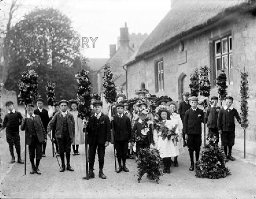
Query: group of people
130	125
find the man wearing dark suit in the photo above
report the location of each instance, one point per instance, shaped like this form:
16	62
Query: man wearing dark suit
193	130
183	107
99	135
122	134
43	113
64	125
35	136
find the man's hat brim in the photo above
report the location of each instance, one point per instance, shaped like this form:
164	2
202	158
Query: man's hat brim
39	99
73	102
97	103
120	105
63	101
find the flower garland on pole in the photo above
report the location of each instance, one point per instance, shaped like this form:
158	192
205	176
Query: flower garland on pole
1	88
50	93
28	91
109	85
222	85
194	83
244	88
84	102
204	89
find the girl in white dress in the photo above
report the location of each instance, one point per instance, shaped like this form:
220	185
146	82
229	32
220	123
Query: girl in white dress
175	118
79	135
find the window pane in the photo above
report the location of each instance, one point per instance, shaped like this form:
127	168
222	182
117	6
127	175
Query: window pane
230	44
218	63
224	45
217	48
225	63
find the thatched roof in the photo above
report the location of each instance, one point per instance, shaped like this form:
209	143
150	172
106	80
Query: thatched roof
185	17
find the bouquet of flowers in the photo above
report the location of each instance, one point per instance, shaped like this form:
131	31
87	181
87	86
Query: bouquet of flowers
167	132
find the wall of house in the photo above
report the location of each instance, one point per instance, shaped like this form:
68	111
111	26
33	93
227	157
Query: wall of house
196	54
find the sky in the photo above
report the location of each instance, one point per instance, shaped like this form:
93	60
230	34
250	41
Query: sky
103	18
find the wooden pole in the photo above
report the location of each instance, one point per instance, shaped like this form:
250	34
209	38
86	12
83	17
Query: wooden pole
25	159
244	143
86	156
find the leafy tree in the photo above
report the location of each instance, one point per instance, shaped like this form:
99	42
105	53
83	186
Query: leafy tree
45	41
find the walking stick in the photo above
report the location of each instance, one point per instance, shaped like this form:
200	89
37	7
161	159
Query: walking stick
86	156
25	166
55	153
25	159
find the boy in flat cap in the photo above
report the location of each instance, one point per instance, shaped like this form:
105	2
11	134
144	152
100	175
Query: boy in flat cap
99	134
183	107
193	130
43	113
212	118
226	126
35	136
64	125
121	125
12	121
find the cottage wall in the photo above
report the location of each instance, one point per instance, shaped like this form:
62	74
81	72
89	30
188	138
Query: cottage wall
197	53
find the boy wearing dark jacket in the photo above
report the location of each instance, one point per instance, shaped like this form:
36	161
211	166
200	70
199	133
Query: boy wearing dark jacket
12	121
99	135
35	136
193	129
43	113
121	125
211	119
226	126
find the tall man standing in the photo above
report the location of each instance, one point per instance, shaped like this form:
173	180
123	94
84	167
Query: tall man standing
99	135
183	107
43	113
64	125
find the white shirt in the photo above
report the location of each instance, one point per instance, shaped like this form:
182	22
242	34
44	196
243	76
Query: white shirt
13	111
33	115
40	109
120	115
64	113
98	115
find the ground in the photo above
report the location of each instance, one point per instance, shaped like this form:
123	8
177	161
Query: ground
181	183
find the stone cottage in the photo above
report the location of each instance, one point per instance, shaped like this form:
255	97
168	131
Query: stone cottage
220	34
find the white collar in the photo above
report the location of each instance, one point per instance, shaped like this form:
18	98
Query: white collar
120	115
33	115
97	115
194	109
230	108
40	109
64	113
13	111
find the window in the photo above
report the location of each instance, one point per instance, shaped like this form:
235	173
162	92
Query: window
223	58
159	75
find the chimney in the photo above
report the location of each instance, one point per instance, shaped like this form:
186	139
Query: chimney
124	36
112	50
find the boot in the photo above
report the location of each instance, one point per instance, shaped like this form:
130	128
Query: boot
125	169
12	154
37	165
176	164
192	167
91	174
33	168
101	174
20	161
74	149
165	165
62	169
230	157
120	165
12	160
169	162
77	152
69	168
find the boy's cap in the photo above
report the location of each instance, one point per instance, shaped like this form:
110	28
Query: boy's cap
193	98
